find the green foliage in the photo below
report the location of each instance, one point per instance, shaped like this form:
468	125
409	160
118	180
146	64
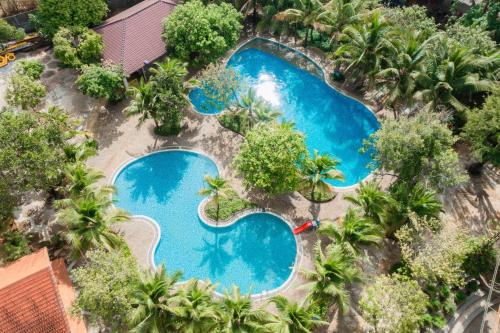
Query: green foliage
411	18
15	245
372	200
480	258
7	204
236	120
24	92
77	46
104	81
418	148
9	32
269	157
294	317
106	285
470	37
230	204
216	189
486	18
482	130
30	67
393	304
53	14
219	84
201	34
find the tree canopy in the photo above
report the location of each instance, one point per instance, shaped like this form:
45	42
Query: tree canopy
77	46
104	81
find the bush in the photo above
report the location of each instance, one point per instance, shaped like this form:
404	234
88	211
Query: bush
236	120
53	14
24	92
15	245
480	258
104	81
201	34
474	38
9	32
29	67
229	205
411	18
77	46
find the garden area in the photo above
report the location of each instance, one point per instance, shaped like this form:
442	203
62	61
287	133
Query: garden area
294	166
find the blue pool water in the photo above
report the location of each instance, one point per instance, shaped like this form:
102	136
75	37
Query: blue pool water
333	123
256	253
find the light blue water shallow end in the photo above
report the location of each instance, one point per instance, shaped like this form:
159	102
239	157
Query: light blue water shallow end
333	123
256	253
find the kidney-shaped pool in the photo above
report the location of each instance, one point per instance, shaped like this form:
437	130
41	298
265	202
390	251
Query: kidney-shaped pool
257	253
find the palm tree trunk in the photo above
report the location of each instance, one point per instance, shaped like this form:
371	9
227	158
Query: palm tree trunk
307	35
312	191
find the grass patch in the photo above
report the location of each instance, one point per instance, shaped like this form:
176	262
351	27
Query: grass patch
229	206
318	197
235	120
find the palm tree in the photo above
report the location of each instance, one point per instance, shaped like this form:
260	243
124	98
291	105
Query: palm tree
217	188
316	170
399	79
453	76
353	232
80	152
332	273
143	104
194	309
371	199
80	178
293	317
89	218
365	48
151	310
239	316
306	12
250	102
265	113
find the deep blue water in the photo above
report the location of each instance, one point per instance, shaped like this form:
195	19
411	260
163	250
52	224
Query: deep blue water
256	253
333	123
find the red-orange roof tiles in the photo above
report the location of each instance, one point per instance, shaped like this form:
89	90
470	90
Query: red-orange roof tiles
135	35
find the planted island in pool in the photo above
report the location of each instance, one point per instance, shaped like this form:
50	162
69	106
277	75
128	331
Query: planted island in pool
333	123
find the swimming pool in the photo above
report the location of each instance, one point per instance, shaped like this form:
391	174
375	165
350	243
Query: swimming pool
256	253
333	123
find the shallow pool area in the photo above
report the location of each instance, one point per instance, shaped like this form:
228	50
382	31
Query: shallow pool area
257	253
333	122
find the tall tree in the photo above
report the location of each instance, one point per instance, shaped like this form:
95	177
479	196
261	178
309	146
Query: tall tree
316	170
217	188
371	199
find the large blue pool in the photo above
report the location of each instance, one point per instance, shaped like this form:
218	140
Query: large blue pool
256	253
333	123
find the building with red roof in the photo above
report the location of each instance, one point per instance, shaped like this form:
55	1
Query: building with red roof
36	296
134	36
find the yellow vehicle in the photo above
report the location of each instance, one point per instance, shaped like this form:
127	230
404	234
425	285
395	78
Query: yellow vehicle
7	51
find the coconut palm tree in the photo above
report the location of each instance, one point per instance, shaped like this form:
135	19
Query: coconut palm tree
316	170
453	77
194	309
151	310
365	48
80	152
293	317
371	199
265	113
398	81
217	188
250	102
332	273
143	103
88	219
239	316
306	12
352	231
80	178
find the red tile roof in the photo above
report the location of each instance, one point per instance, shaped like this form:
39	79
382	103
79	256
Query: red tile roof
35	296
134	35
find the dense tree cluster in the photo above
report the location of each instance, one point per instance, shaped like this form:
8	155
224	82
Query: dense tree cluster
77	46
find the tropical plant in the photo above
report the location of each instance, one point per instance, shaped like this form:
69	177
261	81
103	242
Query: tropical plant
238	316
305	12
143	103
404	19
15	245
365	48
219	85
24	92
53	14
150	301
106	81
201	34
269	157
77	46
81	151
9	32
474	38
315	171
80	178
193	308
452	77
332	273
30	67
351	232
265	113
89	218
250	102
216	189
293	317
372	200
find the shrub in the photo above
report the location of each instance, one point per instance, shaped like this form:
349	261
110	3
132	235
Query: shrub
24	92
201	34
104	81
472	37
53	14
15	245
77	46
412	18
229	205
29	67
9	32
